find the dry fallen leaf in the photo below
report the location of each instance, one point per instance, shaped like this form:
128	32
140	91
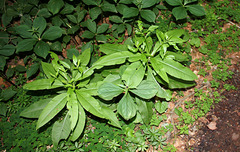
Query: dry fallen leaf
212	125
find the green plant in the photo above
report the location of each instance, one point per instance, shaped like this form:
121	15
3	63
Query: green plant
181	8
229	87
76	95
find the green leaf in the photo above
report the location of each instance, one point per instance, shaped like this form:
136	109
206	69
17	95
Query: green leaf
92	26
87	34
2	62
107	7
95	12
120	28
112	59
133	75
90	2
196	10
44	13
42	84
174	2
177	70
48	69
33	70
85	57
56	46
158	67
108	91
34	110
102	28
80	124
108	48
175	83
52	33
115	19
8	94
54	6
7	50
129	12
61	130
26	45
52	109
20	68
23	31
42	49
111	116
68	9
161	107
72	107
195	41
40	24
3	109
126	1
148	3
145	110
126	107
145	90
72	18
179	12
89	103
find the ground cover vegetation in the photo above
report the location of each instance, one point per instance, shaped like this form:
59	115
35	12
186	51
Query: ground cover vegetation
110	75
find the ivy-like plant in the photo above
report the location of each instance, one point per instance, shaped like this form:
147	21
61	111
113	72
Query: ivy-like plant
73	95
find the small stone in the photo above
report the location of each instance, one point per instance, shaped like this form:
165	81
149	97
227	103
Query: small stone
235	136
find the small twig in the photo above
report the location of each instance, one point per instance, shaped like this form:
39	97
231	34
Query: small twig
231	22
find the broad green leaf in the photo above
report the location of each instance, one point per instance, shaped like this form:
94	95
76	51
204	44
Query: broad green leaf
8	94
42	84
23	31
174	2
145	110
44	13
56	46
178	56
111	116
80	124
126	107
108	48
161	107
40	24
175	33
107	7
148	15
115	19
148	3
101	38
68	9
34	110
129	12
149	44
52	109
133	75
92	26
177	70
6	19
120	28
33	70
159	69
52	33
145	90
85	57
126	1
61	130
95	12
175	83
72	107
7	50
195	41
72	52
196	10
179	12
42	49
120	8
90	2
26	45
72	18
54	6
2	63
48	69
102	28
89	103
3	109
108	91
87	34
189	1
112	59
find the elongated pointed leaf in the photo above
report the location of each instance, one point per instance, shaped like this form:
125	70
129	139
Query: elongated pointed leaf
26	45
179	12
175	83
42	84
40	24
80	124
177	70
111	116
61	130
42	49
133	75
126	107
52	33
102	28
34	110
95	12
148	15
174	2
158	67
145	90
108	91
129	12
23	31
52	109
90	2
54	6
196	10
108	48
145	110
148	3
7	50
89	103
85	57
92	26
48	69
72	107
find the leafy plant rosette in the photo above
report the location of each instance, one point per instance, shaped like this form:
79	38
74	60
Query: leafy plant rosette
74	94
147	67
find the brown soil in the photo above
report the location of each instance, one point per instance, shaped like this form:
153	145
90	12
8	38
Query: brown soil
226	136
